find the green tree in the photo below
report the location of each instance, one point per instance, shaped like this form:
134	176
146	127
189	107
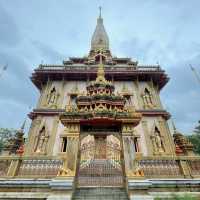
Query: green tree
5	134
195	138
179	197
197	129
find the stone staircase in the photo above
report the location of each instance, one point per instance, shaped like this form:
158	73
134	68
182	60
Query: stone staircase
100	172
106	193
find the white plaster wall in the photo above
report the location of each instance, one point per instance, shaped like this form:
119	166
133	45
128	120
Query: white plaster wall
45	91
154	91
130	85
68	87
46	121
143	144
57	144
151	121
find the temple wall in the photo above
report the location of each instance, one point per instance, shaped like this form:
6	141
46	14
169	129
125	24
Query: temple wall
63	88
146	130
50	124
138	130
69	87
57	144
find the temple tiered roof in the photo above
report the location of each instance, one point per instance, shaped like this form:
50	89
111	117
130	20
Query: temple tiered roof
84	68
100	102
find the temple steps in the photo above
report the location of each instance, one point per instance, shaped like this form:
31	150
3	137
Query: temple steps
107	193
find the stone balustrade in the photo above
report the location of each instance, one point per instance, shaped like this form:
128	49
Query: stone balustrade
153	167
15	166
4	166
194	167
94	67
169	167
39	167
159	168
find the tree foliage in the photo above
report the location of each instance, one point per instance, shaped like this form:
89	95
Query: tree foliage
5	134
197	129
179	197
195	138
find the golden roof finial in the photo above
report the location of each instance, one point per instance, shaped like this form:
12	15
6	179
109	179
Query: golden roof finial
100	72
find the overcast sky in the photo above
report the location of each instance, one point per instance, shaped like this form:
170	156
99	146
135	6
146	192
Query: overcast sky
150	31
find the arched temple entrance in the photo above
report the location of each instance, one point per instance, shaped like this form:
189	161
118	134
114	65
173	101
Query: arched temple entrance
100	162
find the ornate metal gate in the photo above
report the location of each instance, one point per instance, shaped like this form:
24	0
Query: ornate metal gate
100	162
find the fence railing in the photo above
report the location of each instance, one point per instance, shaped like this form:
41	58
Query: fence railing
4	167
94	68
39	167
169	167
29	167
153	167
194	167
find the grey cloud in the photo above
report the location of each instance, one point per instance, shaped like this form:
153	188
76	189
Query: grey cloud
47	53
149	31
10	35
15	83
182	94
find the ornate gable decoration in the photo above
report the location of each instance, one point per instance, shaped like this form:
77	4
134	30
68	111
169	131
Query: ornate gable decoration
100	102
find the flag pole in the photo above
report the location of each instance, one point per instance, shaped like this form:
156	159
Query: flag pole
4	68
196	74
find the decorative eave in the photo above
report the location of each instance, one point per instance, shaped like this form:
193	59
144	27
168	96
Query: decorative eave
85	72
45	112
153	112
94	119
51	112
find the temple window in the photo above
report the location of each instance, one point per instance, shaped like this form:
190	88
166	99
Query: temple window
136	145
147	98
73	100
52	97
128	101
41	141
64	144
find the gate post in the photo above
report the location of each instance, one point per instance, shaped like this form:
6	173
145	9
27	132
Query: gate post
72	132
128	146
130	154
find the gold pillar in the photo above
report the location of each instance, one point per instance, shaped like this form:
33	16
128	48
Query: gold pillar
52	138
127	136
147	138
168	139
13	168
185	168
130	156
29	146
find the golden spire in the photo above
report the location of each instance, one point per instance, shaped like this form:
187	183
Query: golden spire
100	38
100	72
